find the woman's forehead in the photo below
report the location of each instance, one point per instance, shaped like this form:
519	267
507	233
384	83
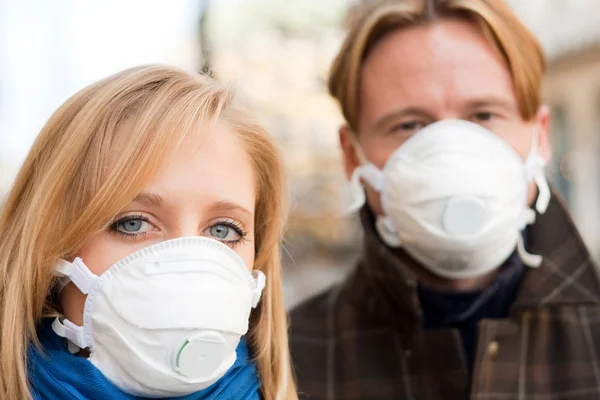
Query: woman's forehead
210	166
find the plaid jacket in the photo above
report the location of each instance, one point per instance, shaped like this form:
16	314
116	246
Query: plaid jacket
362	338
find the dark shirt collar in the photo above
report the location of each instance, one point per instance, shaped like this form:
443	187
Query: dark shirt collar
444	308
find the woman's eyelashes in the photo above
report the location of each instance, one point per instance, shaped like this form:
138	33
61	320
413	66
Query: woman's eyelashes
132	226
139	226
229	232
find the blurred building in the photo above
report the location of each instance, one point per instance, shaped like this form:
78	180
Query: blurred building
277	54
570	35
279	63
49	50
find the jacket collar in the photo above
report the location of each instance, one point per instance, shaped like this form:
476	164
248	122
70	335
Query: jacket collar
568	274
384	286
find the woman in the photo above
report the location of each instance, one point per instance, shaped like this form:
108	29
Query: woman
135	246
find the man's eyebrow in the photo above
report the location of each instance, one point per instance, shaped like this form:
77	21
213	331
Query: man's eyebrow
149	199
491	101
480	102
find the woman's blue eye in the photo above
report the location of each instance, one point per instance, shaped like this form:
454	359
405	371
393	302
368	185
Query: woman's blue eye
133	225
224	232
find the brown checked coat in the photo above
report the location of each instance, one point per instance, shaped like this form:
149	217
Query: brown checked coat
362	338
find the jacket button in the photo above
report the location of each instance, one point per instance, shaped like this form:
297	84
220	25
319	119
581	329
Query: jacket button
492	348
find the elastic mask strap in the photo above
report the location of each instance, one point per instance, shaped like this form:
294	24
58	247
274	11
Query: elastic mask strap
527	218
374	178
367	171
73	333
260	280
535	170
78	273
358	192
544	193
357	147
387	232
531	260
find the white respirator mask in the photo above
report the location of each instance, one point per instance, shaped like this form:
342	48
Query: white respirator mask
164	321
454	197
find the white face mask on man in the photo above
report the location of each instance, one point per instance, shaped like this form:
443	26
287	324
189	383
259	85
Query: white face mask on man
454	196
164	321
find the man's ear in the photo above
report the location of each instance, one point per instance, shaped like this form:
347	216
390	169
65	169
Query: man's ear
350	157
542	120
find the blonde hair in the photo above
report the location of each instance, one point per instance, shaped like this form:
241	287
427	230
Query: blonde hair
64	192
370	22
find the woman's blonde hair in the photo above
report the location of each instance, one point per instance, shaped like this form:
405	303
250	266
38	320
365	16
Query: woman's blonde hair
371	21
65	191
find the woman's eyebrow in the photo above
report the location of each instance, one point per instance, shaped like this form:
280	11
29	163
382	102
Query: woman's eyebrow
228	206
149	199
152	199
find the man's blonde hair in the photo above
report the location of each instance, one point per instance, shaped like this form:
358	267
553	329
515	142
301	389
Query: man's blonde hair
371	21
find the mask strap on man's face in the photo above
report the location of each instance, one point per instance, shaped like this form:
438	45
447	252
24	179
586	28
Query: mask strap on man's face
367	171
535	170
360	154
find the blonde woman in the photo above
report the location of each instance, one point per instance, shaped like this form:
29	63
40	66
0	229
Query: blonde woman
139	249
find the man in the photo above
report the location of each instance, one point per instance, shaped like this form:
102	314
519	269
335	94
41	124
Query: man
474	282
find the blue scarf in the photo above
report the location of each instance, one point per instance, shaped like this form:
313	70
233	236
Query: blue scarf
59	375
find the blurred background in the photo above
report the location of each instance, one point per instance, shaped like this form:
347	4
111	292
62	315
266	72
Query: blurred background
277	54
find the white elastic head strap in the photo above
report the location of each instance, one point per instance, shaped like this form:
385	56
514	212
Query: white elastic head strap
367	171
534	166
261	280
360	154
78	273
73	333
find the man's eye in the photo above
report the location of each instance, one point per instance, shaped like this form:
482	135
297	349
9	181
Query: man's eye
407	126
482	116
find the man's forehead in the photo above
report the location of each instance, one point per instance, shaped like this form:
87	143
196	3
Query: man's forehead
444	43
436	61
